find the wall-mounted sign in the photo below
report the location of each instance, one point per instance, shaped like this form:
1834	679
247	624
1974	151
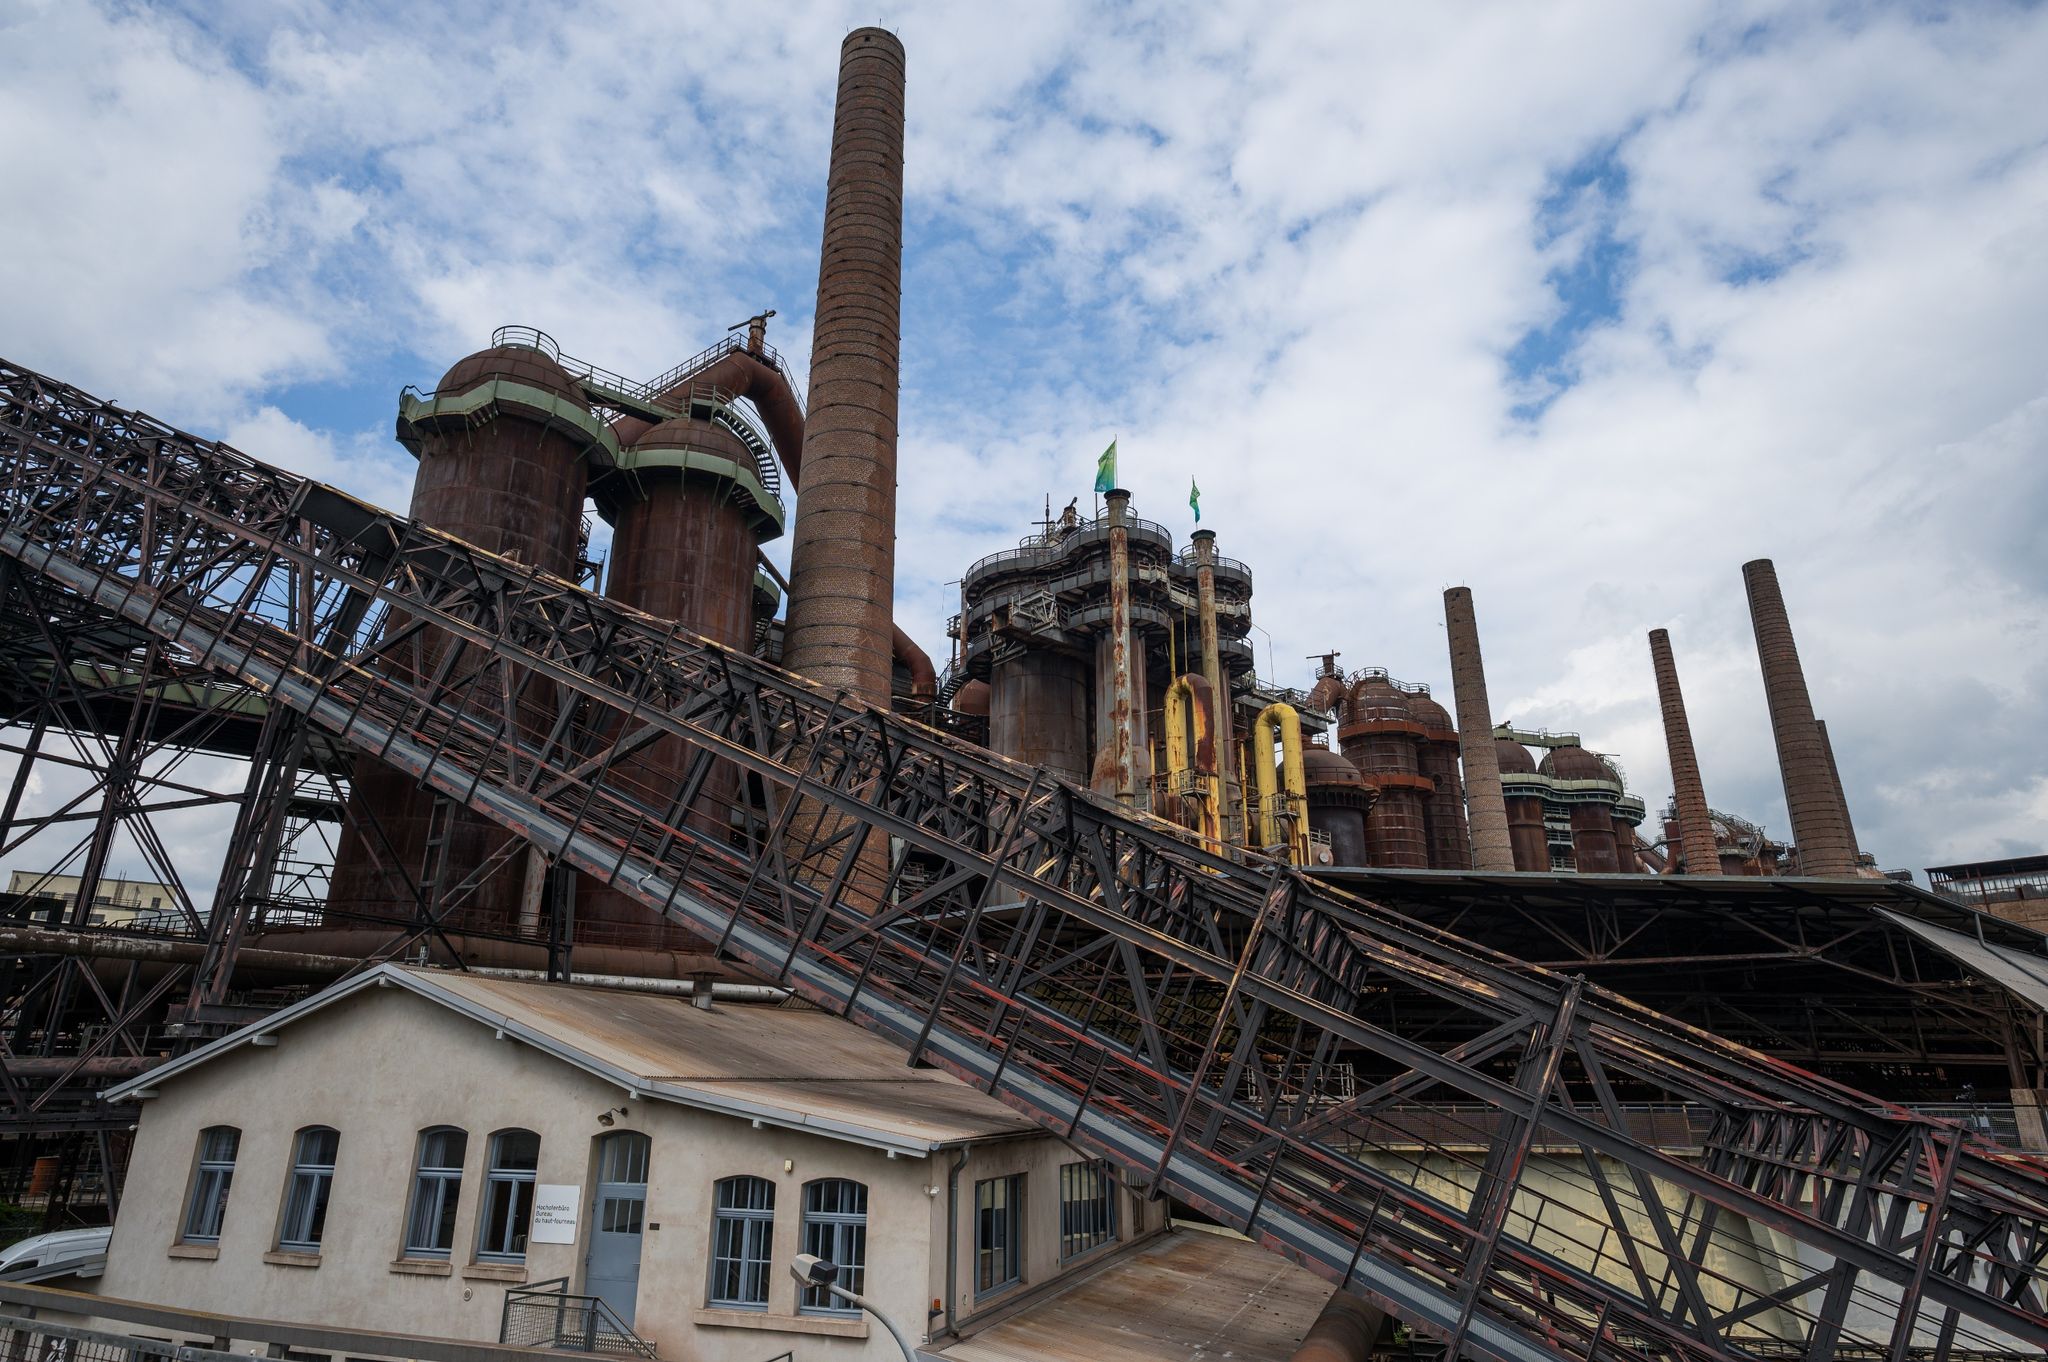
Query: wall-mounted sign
554	1213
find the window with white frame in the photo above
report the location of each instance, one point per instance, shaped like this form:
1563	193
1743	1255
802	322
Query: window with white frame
211	1179
305	1200
836	1229
1087	1207
998	1233
436	1191
742	1242
508	1197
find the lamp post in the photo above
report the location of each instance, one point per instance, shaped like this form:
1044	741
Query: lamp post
811	1270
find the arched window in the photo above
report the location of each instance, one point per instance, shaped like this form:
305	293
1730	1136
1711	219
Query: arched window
305	1200
742	1242
436	1190
508	1197
836	1229
215	1172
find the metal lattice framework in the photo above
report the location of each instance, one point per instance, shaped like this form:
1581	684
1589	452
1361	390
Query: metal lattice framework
1176	1012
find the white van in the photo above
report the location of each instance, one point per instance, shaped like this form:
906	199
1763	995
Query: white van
41	1252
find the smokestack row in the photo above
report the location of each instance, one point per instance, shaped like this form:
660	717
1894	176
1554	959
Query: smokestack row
842	576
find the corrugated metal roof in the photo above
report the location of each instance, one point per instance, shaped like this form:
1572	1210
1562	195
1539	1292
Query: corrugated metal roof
796	1068
2025	974
1186	1294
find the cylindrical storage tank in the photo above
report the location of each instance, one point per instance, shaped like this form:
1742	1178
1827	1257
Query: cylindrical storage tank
972	699
684	543
1381	738
1526	837
1338	802
1443	808
1038	712
1593	847
1625	856
512	484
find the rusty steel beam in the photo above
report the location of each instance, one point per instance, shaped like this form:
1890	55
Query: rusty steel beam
1179	1013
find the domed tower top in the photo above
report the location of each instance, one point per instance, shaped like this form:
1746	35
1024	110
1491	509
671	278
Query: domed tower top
516	364
1324	767
1514	758
1576	763
1427	712
1375	699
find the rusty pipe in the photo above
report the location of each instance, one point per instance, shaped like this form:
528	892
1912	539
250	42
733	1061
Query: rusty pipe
1191	751
767	387
1289	803
1204	543
107	946
924	681
1345	1331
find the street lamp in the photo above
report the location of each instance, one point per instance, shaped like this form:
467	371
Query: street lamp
811	1270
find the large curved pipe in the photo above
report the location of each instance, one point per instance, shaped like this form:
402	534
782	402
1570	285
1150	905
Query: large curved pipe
924	681
1191	754
744	374
1328	695
1283	812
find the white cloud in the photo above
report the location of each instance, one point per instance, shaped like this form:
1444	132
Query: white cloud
1282	250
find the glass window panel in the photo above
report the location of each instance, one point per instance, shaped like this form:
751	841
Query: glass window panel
742	1237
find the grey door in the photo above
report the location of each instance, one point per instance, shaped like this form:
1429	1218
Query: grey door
611	1269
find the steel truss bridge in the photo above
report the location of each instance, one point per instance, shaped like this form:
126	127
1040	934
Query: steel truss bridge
1178	1013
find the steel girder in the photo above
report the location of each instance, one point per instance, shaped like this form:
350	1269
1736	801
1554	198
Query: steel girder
1174	1011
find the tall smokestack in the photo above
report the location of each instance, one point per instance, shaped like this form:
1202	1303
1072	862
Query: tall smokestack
1224	720
1695	824
1485	808
842	558
1818	823
1841	796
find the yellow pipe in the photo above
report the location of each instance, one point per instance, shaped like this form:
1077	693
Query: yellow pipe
1283	813
1191	755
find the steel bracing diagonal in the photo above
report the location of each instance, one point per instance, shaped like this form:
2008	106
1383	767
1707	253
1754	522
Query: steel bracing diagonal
1184	1015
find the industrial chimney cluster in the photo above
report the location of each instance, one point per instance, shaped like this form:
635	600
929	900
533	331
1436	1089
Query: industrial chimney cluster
1096	650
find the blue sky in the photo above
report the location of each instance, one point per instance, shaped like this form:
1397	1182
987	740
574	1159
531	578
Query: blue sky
1581	305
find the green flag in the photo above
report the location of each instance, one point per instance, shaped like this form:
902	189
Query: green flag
1195	500
1105	469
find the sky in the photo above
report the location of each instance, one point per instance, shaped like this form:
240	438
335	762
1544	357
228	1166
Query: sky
1581	305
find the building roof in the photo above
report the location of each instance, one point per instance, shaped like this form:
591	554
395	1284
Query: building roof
1192	1293
791	1067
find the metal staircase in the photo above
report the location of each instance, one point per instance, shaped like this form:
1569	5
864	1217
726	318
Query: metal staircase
1230	1033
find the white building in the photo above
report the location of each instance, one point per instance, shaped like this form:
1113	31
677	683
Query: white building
401	1150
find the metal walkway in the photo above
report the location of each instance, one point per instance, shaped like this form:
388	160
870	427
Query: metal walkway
1181	1014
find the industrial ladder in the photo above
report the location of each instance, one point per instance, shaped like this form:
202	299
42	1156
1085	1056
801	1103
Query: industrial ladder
1282	1055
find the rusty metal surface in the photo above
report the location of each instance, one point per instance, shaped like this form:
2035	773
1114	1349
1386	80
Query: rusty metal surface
1381	737
1443	808
1038	712
1188	1294
1338	803
797	1059
1819	828
1695	825
1115	763
1593	848
683	549
1203	543
1121	910
512	485
843	551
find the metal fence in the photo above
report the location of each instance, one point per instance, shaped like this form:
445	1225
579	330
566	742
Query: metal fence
29	1340
548	1315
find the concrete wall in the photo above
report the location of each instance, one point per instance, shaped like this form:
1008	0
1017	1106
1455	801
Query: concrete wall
381	1065
1039	1160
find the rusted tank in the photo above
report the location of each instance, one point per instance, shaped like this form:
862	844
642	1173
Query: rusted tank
973	699
1038	712
1381	738
685	532
1443	808
1593	846
1339	801
501	447
1526	838
1626	859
